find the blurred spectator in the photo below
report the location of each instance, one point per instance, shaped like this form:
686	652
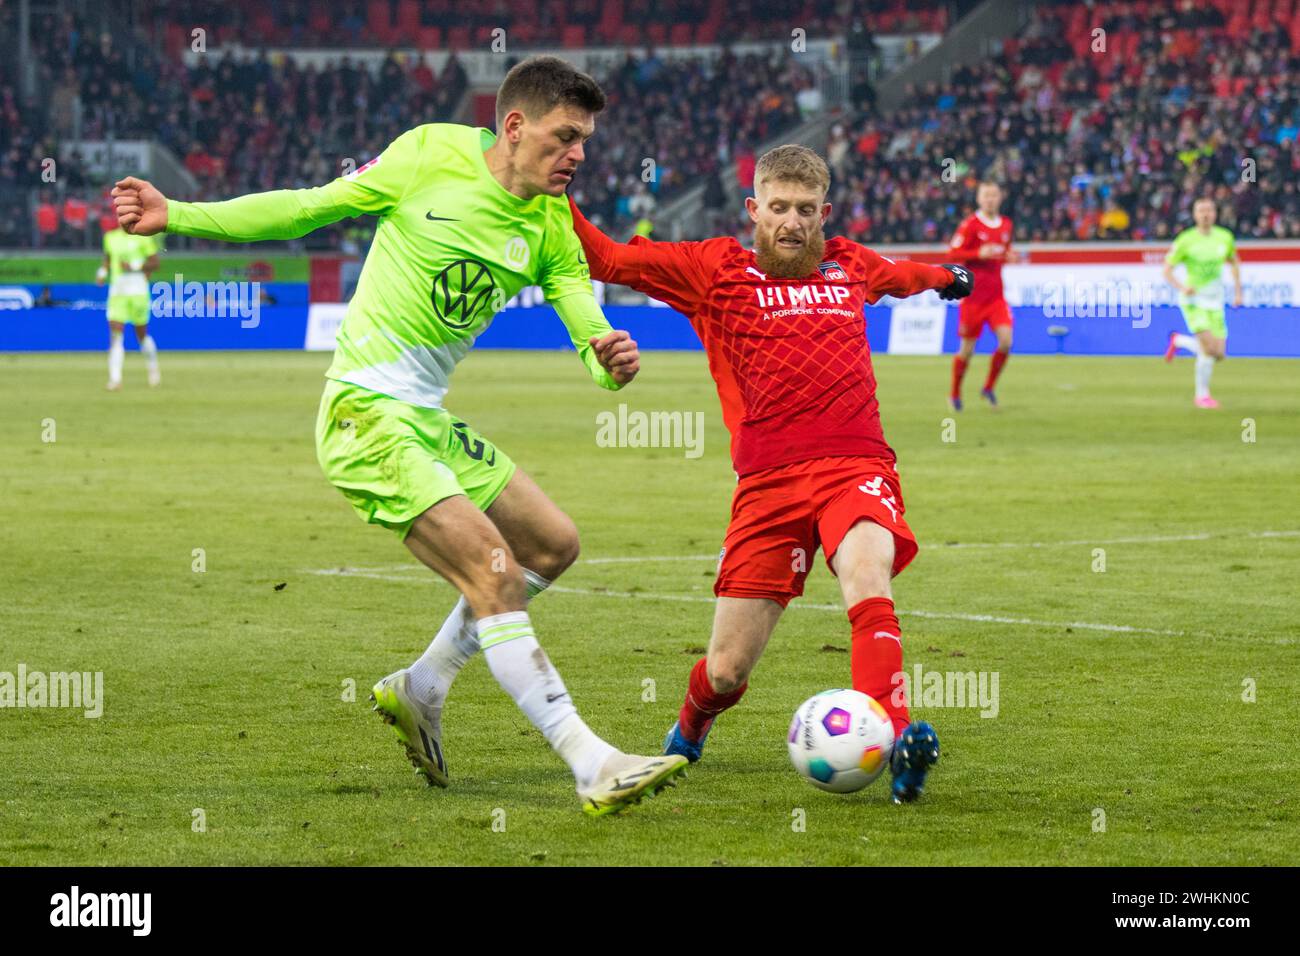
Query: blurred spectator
47	219
745	164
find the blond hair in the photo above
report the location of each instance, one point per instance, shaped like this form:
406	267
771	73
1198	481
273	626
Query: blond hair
795	164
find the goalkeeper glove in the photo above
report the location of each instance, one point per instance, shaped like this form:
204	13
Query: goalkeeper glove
962	283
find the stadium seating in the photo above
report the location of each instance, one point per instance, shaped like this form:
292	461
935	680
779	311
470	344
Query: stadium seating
1174	106
227	119
467	24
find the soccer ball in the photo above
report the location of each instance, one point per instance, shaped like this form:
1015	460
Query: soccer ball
840	740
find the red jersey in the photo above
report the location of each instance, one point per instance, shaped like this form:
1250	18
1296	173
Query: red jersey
789	356
970	237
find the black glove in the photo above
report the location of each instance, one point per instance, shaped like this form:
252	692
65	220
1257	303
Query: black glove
962	283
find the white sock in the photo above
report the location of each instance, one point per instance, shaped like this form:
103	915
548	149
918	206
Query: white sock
1204	369
1189	342
523	670
150	351
116	355
455	643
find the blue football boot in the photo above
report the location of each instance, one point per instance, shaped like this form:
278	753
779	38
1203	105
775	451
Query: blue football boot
675	743
915	751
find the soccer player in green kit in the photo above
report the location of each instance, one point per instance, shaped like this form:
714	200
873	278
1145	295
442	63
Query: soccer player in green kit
467	219
1203	249
128	262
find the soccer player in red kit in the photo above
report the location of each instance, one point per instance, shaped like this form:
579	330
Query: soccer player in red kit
785	336
982	243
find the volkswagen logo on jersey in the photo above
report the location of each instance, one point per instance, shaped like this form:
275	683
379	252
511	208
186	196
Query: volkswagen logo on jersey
463	292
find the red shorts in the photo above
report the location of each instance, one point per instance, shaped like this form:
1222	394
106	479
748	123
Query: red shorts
973	316
779	517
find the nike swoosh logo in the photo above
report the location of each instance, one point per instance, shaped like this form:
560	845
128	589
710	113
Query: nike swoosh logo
430	215
552	698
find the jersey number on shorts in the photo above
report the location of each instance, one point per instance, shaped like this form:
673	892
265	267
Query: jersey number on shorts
876	486
476	450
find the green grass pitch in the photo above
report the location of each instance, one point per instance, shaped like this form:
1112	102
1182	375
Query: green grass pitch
1147	713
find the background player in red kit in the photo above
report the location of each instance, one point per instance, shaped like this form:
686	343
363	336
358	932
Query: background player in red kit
982	243
783	329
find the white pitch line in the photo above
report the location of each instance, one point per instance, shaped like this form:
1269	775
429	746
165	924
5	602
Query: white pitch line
937	615
379	575
1150	539
956	545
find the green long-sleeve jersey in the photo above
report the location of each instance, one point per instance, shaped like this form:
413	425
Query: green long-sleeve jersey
452	247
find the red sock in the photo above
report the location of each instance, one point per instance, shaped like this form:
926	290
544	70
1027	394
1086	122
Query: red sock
958	373
703	703
995	368
877	660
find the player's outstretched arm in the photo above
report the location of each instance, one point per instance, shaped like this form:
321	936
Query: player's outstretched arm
610	261
374	188
904	278
678	273
279	214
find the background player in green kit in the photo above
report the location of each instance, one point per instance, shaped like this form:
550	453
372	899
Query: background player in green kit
128	262
466	220
1203	249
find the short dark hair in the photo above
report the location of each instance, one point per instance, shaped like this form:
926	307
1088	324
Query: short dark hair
539	84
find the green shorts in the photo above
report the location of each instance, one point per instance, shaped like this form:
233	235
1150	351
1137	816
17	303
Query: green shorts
128	309
394	461
1205	320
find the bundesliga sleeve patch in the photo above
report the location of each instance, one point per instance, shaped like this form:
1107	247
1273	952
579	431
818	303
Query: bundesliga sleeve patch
832	270
362	168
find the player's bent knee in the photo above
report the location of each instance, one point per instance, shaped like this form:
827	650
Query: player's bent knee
726	675
866	585
565	546
552	552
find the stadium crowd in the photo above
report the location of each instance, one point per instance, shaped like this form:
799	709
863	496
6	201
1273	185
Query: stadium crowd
1089	145
254	123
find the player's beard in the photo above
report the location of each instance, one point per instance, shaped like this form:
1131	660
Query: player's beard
776	264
